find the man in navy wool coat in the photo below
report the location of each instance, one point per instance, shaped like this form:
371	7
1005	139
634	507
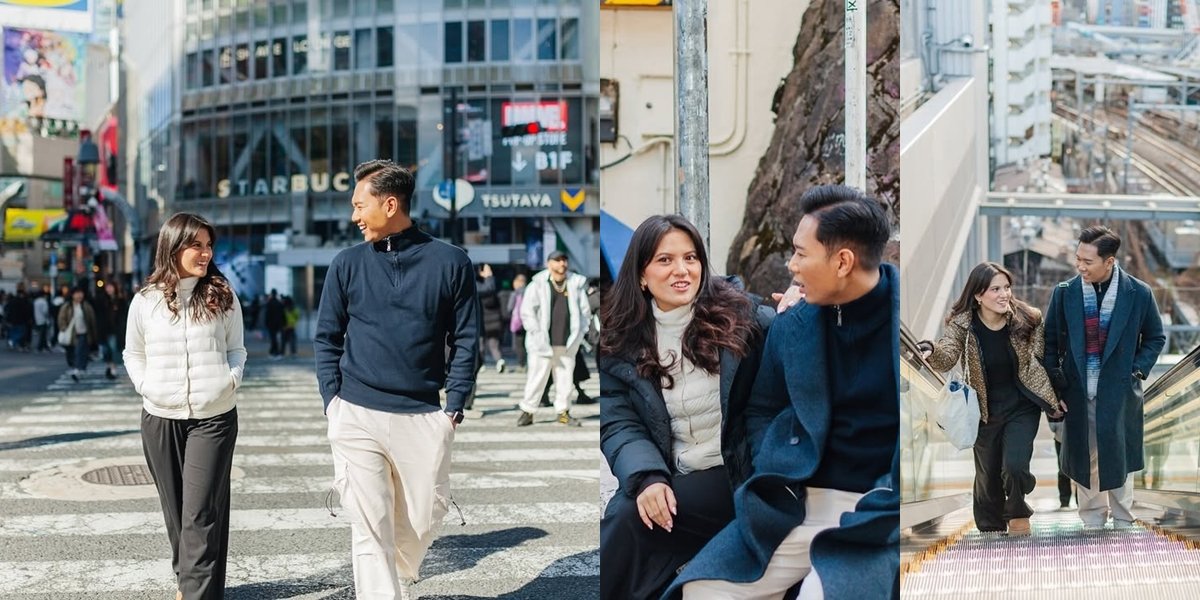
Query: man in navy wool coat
822	504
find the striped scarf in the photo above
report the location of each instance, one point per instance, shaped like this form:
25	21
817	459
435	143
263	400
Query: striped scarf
1095	325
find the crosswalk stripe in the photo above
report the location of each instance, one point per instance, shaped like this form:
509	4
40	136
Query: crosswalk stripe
470	433
282	450
109	576
321	484
286	519
546	455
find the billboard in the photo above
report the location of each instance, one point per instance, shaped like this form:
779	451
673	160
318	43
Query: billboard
43	75
27	224
59	15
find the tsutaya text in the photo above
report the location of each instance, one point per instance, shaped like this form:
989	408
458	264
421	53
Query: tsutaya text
317	182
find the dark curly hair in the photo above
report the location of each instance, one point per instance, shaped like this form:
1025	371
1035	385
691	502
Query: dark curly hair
723	316
1025	318
213	290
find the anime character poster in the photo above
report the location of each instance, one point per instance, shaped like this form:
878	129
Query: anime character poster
43	74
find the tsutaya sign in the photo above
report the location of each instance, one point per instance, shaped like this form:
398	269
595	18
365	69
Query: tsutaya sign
317	182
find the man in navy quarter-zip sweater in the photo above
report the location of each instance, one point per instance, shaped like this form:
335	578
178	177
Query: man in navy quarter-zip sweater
398	321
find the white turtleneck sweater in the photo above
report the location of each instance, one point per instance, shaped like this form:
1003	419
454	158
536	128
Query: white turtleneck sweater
183	369
694	402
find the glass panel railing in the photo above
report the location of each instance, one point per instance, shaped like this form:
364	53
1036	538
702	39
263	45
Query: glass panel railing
928	465
1172	429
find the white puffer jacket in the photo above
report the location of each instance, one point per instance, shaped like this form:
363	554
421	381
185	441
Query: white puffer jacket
183	369
694	403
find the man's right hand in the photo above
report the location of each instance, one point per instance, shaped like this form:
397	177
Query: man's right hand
656	504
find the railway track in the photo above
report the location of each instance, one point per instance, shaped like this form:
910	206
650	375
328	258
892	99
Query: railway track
1181	183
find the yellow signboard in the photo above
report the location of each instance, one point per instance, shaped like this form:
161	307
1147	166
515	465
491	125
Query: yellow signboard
612	3
572	199
27	224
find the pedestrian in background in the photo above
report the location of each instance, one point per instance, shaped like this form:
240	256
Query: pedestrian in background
41	320
273	319
185	356
18	311
515	326
77	331
493	321
106	333
555	314
398	321
291	316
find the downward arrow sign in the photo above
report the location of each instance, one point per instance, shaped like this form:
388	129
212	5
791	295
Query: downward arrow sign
519	163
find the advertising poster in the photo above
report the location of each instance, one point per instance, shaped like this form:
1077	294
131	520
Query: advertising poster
59	15
26	225
43	75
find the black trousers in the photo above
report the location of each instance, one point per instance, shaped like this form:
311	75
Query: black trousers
190	460
1064	482
276	346
1002	478
639	563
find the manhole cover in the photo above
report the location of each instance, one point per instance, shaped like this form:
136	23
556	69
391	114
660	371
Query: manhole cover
120	475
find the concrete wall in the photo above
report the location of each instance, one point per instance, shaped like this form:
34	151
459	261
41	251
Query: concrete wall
749	52
944	176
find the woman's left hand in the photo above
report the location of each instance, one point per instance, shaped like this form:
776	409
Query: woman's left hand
787	299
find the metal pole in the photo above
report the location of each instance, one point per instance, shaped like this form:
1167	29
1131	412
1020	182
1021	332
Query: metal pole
691	111
856	94
450	138
1128	148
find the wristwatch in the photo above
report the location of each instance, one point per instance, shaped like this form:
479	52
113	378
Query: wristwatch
456	416
1139	374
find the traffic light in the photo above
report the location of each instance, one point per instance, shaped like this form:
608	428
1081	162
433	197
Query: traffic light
520	129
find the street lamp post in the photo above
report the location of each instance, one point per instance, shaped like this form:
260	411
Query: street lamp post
88	160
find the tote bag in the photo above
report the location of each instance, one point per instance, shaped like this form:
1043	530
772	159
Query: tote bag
958	412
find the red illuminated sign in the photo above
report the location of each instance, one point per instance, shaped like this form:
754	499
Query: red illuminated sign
551	116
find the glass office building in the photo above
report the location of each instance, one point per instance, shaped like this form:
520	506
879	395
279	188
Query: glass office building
272	104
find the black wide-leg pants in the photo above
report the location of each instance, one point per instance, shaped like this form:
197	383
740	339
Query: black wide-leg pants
190	460
1002	479
638	563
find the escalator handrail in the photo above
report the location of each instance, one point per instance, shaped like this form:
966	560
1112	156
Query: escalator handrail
1182	371
912	354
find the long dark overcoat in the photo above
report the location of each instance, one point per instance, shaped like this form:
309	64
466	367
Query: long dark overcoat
1135	338
788	421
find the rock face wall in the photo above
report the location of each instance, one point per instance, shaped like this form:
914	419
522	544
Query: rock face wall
807	147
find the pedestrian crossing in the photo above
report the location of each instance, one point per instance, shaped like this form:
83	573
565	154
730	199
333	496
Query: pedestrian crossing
528	497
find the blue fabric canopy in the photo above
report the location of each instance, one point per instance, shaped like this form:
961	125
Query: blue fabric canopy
614	239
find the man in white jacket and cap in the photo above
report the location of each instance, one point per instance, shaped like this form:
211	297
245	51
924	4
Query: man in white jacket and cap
555	313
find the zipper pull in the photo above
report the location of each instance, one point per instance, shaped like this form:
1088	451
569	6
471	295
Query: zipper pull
839	311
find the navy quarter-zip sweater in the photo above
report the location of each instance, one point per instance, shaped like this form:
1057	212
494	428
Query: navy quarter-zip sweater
394	315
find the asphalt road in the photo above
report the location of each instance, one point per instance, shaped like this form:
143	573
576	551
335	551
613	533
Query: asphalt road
529	496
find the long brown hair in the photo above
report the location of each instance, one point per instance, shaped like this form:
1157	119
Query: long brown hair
1024	317
213	295
723	316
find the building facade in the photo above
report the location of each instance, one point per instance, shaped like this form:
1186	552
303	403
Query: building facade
1021	45
264	109
744	71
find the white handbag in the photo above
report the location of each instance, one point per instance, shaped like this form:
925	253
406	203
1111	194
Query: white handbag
66	337
958	411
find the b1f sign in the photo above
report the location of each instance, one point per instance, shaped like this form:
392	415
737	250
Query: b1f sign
552	116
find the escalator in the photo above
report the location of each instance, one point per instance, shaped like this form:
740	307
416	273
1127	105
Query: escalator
1157	557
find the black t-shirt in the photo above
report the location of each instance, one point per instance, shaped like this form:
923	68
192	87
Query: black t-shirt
560	317
999	369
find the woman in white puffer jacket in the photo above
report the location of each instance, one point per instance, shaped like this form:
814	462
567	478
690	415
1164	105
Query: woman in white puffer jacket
185	354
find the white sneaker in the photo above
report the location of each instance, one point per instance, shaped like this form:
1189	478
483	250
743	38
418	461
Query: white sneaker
407	589
500	366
